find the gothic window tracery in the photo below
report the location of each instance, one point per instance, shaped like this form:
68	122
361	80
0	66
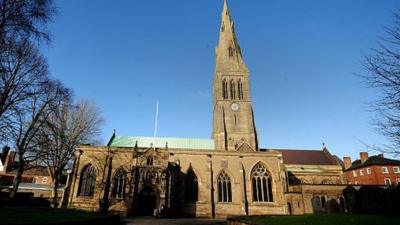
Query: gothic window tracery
233	90
224	187
191	186
262	184
118	190
87	181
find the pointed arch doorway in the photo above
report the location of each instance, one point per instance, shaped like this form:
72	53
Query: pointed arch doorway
147	200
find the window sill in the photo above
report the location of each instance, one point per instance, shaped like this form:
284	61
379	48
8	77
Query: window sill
84	197
263	203
224	203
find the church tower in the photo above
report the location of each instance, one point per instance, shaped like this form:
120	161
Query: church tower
233	122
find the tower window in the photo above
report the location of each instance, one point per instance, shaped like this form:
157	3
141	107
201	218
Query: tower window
230	51
233	91
223	27
224	89
240	90
235	117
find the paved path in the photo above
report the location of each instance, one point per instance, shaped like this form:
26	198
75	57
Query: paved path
178	221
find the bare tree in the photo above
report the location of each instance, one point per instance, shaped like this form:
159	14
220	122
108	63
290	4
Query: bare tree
383	74
22	69
28	122
26	19
68	126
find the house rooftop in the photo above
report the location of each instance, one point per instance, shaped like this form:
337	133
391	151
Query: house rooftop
373	160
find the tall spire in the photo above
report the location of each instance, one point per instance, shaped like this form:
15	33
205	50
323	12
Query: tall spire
228	53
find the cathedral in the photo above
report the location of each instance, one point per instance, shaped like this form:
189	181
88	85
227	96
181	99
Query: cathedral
229	174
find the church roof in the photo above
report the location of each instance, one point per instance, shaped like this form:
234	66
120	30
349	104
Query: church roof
162	142
307	157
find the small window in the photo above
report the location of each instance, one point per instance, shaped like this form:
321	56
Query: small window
231	52
388	182
369	171
44	180
398	180
396	169
385	170
150	161
354	173
361	172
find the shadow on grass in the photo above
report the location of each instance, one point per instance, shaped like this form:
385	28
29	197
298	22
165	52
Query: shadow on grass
327	219
25	215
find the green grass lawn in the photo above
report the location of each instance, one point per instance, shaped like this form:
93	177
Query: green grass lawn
23	215
328	219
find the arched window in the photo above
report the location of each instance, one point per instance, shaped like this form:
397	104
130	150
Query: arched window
191	186
87	181
230	51
224	89
240	90
262	185
233	91
149	161
224	187
118	190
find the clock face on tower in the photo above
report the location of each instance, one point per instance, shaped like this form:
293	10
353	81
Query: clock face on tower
235	107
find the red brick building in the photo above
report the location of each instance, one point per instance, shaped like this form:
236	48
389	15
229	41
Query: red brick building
32	174
373	170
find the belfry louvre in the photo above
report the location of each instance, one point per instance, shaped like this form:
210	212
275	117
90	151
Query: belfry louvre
228	174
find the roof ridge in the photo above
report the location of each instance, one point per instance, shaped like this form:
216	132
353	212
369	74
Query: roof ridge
132	136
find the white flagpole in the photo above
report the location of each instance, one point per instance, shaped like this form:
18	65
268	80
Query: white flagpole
155	127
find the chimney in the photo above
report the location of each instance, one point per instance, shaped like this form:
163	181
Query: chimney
363	157
381	155
346	162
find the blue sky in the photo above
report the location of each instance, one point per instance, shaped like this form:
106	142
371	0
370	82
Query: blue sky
302	56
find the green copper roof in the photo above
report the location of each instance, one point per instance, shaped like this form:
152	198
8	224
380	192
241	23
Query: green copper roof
175	143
